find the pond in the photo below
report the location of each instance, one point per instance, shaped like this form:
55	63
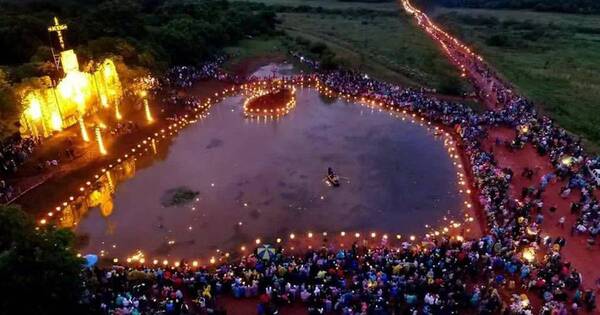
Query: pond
228	180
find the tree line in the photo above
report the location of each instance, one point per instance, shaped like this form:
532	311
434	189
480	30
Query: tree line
146	31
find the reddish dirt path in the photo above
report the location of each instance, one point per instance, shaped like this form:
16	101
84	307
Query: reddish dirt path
576	250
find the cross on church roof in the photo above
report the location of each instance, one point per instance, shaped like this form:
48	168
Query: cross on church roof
58	28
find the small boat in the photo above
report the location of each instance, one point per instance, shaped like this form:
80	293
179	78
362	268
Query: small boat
333	178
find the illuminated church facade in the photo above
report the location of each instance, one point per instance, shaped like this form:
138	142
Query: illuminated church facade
73	98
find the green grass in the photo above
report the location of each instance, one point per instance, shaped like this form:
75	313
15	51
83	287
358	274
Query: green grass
390	48
553	59
250	54
379	40
252	48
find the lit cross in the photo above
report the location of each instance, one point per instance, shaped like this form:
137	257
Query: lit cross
58	28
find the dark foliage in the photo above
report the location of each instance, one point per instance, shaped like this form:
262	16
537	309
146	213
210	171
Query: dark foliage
166	31
565	6
40	272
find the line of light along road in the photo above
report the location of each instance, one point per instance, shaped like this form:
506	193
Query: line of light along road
462	56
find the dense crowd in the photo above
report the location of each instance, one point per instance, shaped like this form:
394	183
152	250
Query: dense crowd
185	76
571	165
436	276
14	151
167	88
580	171
441	277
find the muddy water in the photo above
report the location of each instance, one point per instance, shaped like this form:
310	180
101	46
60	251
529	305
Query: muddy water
266	179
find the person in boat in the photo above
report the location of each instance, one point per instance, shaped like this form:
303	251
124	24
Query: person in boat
332	177
330	172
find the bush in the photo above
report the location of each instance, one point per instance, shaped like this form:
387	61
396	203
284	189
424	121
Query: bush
39	270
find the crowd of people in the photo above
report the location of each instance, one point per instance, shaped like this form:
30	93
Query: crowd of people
355	281
497	273
440	275
186	76
167	88
580	171
14	151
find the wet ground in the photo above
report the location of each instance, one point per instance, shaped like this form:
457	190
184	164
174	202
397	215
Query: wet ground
265	179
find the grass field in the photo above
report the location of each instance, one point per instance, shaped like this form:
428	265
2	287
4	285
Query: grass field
272	47
390	48
553	59
380	40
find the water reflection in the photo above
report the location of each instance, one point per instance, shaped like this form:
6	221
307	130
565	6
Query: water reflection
101	196
264	179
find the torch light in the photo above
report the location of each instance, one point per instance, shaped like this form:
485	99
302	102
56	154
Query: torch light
101	147
84	133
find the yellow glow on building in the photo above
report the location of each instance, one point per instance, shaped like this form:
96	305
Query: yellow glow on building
109	181
75	91
34	111
78	94
103	100
108	85
53	106
56	121
69	62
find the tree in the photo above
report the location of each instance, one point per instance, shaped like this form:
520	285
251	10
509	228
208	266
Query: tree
117	18
40	272
183	39
20	35
9	107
